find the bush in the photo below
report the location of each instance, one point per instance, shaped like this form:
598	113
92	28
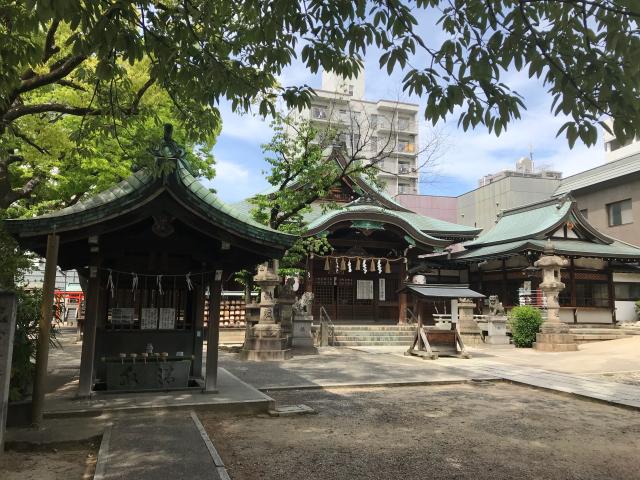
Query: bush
638	309
25	342
525	322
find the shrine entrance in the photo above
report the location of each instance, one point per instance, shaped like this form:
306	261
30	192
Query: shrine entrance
358	297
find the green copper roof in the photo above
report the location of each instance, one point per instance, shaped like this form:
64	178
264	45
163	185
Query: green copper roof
525	222
140	188
578	248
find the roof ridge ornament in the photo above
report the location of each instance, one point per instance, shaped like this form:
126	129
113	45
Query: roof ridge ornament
167	153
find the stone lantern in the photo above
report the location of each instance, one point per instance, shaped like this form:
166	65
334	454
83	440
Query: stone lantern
264	340
554	335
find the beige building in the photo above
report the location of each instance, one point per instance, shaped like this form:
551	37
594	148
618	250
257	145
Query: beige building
609	196
384	131
503	191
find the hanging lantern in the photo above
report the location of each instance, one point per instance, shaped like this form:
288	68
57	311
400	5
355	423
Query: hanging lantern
387	267
343	265
326	264
358	263
373	265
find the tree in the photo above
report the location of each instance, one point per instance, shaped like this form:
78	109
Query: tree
200	51
51	158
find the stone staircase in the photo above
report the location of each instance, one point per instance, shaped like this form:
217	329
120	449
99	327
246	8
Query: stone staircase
599	333
372	335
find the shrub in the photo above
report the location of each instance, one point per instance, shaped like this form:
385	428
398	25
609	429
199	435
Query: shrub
525	322
25	342
638	309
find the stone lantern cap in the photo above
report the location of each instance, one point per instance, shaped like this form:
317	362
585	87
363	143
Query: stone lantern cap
549	259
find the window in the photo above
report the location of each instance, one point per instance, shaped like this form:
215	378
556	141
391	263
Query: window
627	291
374	121
619	213
373	143
403	123
350	89
592	294
319	112
405	146
585	213
344	115
404	188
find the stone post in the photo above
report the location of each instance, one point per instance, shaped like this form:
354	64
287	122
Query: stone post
302	320
7	329
467	326
554	335
264	340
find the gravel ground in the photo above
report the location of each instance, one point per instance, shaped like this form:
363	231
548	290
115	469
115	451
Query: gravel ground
52	461
472	431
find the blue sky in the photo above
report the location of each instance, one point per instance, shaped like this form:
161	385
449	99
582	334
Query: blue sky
467	155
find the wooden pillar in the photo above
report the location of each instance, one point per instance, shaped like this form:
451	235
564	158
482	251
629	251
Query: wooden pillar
44	329
308	282
87	355
198	340
402	297
612	294
7	331
504	282
213	335
572	285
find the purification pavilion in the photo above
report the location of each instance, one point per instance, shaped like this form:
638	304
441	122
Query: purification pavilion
152	249
501	260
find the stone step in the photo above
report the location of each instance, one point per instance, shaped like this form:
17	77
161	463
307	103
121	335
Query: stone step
373	338
390	328
604	331
339	331
372	344
596	338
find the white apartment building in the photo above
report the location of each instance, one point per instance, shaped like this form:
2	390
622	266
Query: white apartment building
384	131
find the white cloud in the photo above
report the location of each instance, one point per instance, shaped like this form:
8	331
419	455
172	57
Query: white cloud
234	182
248	127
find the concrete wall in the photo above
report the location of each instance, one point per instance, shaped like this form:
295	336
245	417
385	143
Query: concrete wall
595	201
480	207
442	208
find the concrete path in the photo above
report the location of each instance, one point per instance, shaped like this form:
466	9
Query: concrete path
158	446
593	388
342	367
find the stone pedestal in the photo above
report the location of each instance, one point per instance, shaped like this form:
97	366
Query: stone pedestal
264	340
302	335
555	338
497	331
467	326
554	335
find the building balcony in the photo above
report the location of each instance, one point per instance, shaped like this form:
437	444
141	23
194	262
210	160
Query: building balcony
399	126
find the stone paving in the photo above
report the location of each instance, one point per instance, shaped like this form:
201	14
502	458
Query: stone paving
593	388
158	446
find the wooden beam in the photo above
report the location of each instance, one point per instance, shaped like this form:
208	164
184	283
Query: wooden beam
7	331
44	329
87	355
213	335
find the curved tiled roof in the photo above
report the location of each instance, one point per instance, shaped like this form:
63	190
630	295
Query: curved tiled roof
140	188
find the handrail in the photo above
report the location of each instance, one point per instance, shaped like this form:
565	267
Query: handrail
330	325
